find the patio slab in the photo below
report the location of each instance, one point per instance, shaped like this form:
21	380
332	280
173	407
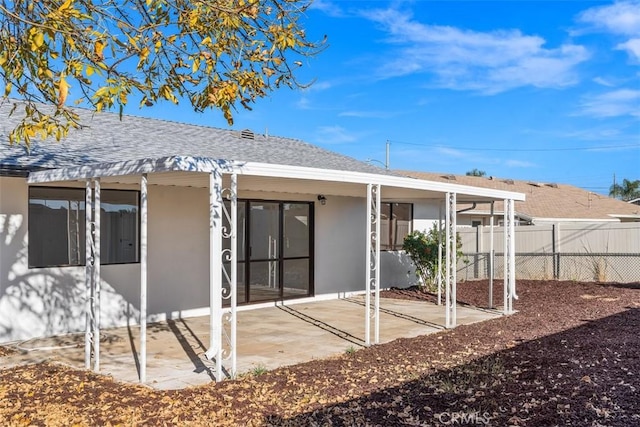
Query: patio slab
267	338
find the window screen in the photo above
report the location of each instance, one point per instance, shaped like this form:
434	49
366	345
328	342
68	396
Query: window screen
57	226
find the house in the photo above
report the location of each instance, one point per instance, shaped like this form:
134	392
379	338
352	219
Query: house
131	219
546	203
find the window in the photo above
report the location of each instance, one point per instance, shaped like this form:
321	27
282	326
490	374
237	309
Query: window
57	226
395	223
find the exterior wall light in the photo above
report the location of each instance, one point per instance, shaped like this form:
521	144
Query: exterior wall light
322	199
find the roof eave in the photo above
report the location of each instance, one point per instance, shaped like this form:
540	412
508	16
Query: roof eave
207	165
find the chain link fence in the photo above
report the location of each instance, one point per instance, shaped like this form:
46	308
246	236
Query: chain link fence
596	267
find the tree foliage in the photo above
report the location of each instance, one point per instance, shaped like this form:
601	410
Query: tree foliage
422	248
217	54
626	191
476	172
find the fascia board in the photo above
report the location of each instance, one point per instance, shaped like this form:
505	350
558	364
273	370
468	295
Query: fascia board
298	172
129	167
207	165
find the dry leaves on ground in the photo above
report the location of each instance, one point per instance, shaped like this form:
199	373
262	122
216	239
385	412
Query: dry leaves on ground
562	359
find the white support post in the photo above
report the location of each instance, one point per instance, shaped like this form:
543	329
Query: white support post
229	277
367	295
88	273
512	256
143	278
451	251
215	271
96	274
491	256
439	274
377	266
447	296
506	263
454	260
234	272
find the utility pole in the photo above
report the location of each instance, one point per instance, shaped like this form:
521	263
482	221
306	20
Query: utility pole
386	162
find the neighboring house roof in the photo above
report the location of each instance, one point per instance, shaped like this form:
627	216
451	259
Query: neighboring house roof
544	201
104	137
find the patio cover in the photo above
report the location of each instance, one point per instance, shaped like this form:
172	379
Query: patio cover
221	177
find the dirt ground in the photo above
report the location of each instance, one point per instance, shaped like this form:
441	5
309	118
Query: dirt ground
570	356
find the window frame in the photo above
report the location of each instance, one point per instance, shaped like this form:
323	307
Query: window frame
82	191
397	247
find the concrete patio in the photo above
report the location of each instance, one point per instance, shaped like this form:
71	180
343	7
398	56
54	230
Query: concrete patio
267	338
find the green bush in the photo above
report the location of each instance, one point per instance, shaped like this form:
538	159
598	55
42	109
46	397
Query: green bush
422	248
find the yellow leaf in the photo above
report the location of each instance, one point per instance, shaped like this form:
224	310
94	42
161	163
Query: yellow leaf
64	6
98	47
7	89
63	91
37	40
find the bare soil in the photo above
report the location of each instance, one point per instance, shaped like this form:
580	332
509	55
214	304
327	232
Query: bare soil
569	356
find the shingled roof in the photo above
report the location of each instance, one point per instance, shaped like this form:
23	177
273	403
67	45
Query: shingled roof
544	201
104	137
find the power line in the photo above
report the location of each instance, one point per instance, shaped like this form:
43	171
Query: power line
517	149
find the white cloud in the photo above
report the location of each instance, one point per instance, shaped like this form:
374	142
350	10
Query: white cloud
328	8
335	135
519	164
318	87
621	102
632	46
604	82
369	114
622	17
303	103
487	62
451	152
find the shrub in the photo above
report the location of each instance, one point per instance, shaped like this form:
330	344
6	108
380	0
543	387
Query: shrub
422	248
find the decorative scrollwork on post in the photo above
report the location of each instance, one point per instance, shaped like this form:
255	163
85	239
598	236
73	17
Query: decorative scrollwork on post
229	272
451	252
509	256
373	262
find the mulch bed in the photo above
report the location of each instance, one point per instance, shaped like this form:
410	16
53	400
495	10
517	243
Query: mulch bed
5	351
570	356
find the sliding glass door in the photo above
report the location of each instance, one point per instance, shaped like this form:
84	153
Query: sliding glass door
264	251
275	250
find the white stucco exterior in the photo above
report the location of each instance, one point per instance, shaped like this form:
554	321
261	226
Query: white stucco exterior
48	301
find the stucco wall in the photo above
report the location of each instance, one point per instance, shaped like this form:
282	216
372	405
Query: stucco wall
49	301
340	245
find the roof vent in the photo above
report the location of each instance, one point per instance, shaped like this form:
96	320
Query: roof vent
535	184
552	185
450	177
247	134
508	181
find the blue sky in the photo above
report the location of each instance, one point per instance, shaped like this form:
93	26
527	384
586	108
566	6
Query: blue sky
541	90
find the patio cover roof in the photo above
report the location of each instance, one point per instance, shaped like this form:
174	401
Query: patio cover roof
193	171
